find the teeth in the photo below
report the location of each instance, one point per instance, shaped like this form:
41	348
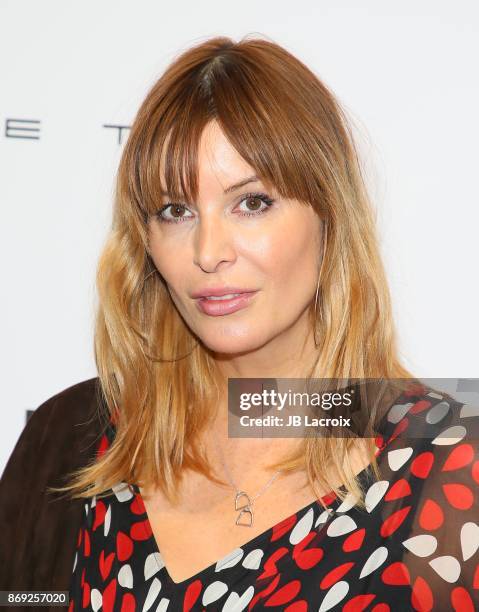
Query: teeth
222	297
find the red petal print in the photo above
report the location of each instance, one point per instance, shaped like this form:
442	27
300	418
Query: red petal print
82	581
104	444
191	595
461	600
79	537
475	582
108	598
137	506
400	488
394	522
105	564
431	516
459	457
128	603
100	511
71	605
414	389
382	607
400	427
420	406
422	464
265	592
86	542
334	575
86	595
284	594
297	606
124	546
140	530
358	603
396	574
329	498
458	495
354	541
269	566
281	528
306	558
421	596
475	471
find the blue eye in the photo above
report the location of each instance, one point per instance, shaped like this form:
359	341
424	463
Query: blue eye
177	208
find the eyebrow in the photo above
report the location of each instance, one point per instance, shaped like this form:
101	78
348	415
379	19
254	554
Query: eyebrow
234	187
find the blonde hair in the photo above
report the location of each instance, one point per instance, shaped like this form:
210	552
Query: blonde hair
157	378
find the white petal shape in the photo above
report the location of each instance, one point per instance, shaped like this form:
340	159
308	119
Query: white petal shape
375	494
421	545
437	413
93	501
398	412
153	563
302	527
469	411
469	540
125	576
163	605
86	509
107	523
96	599
451	435
341	525
253	559
434	395
348	503
230	560
375	560
323	517
153	591
335	594
214	591
235	603
397	458
447	567
122	492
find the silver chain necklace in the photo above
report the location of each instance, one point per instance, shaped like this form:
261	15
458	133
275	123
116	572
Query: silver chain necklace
246	505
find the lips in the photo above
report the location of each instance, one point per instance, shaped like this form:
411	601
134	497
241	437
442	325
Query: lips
220	291
226	305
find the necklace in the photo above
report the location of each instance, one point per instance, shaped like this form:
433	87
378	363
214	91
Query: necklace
243	502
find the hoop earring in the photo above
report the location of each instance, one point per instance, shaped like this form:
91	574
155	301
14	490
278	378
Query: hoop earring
325	239
316	342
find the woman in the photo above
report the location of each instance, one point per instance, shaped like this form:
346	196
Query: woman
240	179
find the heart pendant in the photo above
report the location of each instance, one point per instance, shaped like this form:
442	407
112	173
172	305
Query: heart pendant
249	519
238	496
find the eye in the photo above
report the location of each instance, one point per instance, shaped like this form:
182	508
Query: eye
257	198
176	210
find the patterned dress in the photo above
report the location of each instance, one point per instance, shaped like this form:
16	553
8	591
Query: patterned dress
414	547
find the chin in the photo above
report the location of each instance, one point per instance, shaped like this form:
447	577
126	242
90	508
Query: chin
230	340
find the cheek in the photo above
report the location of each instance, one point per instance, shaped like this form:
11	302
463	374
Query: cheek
292	261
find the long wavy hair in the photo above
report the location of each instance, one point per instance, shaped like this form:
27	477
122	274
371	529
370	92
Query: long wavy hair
158	380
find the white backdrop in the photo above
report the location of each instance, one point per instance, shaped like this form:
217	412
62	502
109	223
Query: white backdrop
405	71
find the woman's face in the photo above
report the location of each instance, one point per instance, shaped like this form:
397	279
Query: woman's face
212	243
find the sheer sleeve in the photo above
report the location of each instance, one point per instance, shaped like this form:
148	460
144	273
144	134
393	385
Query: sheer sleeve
431	483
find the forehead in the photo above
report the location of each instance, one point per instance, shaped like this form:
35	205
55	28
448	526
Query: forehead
218	163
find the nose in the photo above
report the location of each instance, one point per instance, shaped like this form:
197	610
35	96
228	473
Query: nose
213	243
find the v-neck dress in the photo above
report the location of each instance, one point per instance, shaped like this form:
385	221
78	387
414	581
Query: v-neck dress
414	547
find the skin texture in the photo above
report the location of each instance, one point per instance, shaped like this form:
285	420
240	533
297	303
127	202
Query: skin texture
276	253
